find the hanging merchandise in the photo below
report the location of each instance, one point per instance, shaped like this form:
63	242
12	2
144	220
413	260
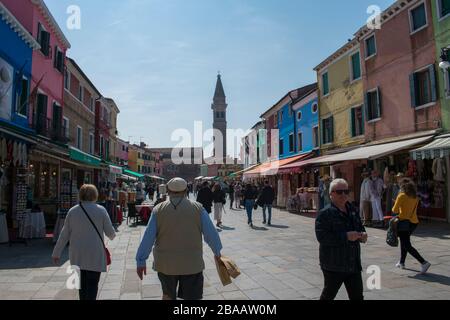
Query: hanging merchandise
439	170
3	150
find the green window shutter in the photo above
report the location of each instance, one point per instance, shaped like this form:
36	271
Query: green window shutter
366	106
352	122
331	129
363	120
356	66
379	106
412	89
326	87
434	92
445	7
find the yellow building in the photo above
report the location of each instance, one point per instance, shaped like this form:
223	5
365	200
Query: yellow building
341	111
341	99
133	157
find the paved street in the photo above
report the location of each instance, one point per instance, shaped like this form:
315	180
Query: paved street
277	262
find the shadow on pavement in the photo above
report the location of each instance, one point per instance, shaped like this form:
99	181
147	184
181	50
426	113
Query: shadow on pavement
259	228
227	228
37	254
438	230
432	277
278	226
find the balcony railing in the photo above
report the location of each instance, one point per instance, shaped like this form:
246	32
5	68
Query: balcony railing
47	128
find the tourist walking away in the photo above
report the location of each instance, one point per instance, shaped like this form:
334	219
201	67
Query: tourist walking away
205	197
376	195
219	200
405	207
175	233
84	228
265	200
238	196
140	194
231	194
339	231
249	200
325	190
365	206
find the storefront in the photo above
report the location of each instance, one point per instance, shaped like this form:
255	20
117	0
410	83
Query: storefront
433	172
15	180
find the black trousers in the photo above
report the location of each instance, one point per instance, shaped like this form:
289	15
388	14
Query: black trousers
334	280
89	285
406	246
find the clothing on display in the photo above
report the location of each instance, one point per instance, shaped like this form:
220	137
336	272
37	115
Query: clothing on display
439	170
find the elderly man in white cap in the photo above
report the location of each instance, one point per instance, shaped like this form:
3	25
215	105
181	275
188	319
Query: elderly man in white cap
175	230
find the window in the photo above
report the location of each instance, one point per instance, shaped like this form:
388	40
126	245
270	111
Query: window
299	116
325	84
447	83
43	38
373	105
423	87
281	147
139	168
91	104
300	141
356	66
443	8
291	142
327	130
418	18
22	97
315	107
106	149
59	60
123	148
316	136
66	80
79	137
357	121
280	118
91	143
66	127
371	47
80	93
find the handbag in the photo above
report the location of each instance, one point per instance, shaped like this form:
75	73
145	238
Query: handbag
107	253
391	236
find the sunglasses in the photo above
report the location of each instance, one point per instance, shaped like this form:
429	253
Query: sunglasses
341	192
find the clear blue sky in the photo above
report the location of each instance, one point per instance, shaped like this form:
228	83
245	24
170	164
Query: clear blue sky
158	59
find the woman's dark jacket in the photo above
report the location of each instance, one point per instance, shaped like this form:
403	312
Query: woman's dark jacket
336	253
219	196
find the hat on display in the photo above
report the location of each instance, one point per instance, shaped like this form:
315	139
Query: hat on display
4	75
177	185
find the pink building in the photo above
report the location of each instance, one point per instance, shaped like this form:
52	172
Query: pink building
47	64
399	72
122	152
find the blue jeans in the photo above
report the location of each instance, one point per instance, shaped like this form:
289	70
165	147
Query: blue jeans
249	207
269	209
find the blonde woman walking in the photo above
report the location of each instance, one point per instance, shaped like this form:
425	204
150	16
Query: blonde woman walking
84	228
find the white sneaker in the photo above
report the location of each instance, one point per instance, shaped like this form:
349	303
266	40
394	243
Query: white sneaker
400	265
425	267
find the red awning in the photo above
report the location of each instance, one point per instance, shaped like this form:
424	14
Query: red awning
272	168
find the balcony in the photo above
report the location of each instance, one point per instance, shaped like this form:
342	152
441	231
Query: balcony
49	129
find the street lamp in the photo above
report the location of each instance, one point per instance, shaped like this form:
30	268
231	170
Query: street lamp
445	63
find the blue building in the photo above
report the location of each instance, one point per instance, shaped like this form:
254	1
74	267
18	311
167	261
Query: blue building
306	110
290	126
16	47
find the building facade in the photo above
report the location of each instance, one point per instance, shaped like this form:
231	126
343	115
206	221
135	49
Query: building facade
306	113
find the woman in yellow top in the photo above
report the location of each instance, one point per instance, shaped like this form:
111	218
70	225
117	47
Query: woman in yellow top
406	208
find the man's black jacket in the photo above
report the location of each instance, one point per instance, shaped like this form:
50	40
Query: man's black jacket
336	253
205	197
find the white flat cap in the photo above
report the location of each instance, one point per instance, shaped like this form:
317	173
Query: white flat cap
177	185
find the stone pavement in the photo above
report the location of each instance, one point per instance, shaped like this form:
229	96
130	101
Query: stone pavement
277	262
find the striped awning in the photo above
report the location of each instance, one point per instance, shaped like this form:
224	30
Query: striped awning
438	148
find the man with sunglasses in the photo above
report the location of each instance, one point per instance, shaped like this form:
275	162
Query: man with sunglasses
339	231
